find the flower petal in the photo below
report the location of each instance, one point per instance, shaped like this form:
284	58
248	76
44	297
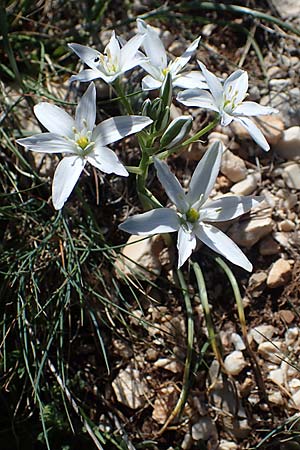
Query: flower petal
86	109
236	86
161	220
129	51
47	143
214	84
254	132
186	243
113	50
55	119
171	185
181	61
154	71
197	97
190	80
152	44
205	175
115	128
149	83
88	55
65	177
222	244
253	109
228	207
87	75
106	160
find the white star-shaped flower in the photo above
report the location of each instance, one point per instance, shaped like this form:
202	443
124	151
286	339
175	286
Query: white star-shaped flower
80	141
114	61
228	101
157	65
194	212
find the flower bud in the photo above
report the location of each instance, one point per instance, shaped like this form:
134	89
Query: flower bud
163	120
166	90
155	109
146	107
176	131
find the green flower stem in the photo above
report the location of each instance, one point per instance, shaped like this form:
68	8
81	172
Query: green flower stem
166	153
118	87
189	355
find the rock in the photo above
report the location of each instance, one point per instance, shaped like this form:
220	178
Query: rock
287	316
167	38
248	232
288	8
227	445
205	429
261	333
282	238
291	176
279	274
140	253
276	398
286	225
288	147
130	389
233	167
294	385
246	186
277	376
296	399
169	364
272	127
177	48
164	403
257	280
235	362
268	246
217	136
291	336
237	341
270	351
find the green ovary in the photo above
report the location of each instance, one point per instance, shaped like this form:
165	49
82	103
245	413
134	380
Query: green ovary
192	215
83	142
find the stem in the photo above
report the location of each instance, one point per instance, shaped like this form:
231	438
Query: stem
210	126
189	354
118	87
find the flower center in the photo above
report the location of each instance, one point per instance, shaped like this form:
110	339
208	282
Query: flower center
109	64
83	142
165	71
192	215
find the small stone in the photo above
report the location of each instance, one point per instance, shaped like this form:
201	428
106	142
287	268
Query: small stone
296	399
204	429
291	176
261	333
237	341
167	38
279	274
272	127
130	389
287	316
282	238
294	385
286	225
268	246
276	398
216	136
227	445
256	280
164	404
277	376
177	48
288	147
233	167
288	8
291	336
270	351
235	362
248	232
246	186
169	364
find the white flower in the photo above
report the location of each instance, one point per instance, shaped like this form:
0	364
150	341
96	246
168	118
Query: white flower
81	141
158	66
115	60
195	212
227	100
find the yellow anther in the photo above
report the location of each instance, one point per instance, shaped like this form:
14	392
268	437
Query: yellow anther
82	142
165	71
192	215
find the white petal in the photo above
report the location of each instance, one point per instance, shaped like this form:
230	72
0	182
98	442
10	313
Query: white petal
181	61
222	244
65	177
161	220
47	143
87	75
190	80
113	50
254	132
88	55
214	84
55	119
152	44
199	98
186	243
205	175
129	51
106	160
149	83
227	208
171	185
226	118
154	71
253	109
115	128
236	86
86	109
